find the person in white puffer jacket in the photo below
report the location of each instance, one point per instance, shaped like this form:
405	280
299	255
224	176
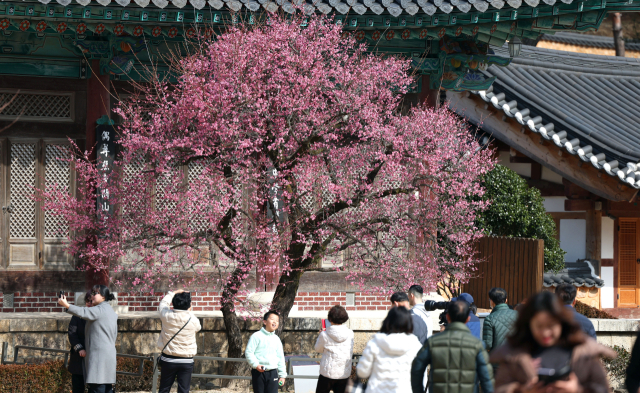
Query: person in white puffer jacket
386	360
336	346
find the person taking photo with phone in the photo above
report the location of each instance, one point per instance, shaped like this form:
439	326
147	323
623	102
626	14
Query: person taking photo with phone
177	341
549	353
101	331
335	343
266	356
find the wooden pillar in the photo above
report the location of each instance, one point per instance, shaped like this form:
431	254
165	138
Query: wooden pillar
427	95
594	234
98	104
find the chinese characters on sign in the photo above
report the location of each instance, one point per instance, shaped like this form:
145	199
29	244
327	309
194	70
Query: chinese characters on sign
274	208
106	154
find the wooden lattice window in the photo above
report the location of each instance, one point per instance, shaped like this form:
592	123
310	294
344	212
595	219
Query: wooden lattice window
23	181
27	105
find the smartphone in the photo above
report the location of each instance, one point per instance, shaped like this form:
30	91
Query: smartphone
549	376
325	324
60	294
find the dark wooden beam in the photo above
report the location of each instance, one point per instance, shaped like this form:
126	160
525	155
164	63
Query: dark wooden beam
594	234
622	206
536	171
546	188
520	160
566	165
568	215
578	205
573	191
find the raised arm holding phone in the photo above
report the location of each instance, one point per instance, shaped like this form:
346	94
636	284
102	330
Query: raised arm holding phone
101	331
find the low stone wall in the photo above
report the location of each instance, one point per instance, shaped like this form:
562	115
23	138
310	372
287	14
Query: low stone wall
138	334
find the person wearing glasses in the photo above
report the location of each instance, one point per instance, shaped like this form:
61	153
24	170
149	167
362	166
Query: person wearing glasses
101	330
177	341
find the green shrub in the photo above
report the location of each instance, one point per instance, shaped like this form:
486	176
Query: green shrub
617	368
592	312
517	211
52	377
49	377
131	383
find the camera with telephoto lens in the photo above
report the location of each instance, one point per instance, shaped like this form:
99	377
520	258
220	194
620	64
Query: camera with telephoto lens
432	305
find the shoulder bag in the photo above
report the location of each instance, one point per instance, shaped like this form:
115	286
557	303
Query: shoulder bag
165	345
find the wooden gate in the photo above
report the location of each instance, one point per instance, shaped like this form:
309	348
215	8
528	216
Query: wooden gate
515	264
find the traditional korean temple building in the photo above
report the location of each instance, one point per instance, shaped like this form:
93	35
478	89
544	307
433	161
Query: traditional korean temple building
66	61
568	123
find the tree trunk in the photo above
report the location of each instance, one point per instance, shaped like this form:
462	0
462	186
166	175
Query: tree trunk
234	342
285	296
618	42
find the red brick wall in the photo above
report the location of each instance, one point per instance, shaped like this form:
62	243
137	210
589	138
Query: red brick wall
35	302
201	301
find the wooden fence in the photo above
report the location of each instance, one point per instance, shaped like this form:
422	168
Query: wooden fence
515	264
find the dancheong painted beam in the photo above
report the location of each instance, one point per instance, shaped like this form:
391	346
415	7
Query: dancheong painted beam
448	40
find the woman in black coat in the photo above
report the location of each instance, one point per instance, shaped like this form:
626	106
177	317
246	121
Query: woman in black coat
78	352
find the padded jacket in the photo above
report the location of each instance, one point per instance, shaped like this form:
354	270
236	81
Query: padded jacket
517	369
386	361
184	344
498	325
336	346
458	362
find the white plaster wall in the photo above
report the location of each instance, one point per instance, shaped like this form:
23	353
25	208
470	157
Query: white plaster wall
607	239
573	236
554	203
520	169
549	175
606	292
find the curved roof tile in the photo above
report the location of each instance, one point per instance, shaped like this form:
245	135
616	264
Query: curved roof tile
579	274
586	104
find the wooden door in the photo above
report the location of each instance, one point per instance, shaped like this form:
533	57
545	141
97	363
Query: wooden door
628	263
33	239
20	208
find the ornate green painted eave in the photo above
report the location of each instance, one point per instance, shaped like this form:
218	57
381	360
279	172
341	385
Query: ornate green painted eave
446	39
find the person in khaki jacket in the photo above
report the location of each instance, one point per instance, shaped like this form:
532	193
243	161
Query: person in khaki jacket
177	341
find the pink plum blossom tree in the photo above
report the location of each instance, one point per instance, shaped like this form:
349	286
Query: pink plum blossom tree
281	146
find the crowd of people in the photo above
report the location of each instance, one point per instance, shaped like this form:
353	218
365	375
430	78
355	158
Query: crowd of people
544	346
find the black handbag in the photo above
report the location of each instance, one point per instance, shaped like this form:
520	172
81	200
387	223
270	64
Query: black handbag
165	346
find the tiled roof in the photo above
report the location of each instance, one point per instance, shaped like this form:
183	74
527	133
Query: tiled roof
589	40
579	274
585	104
393	7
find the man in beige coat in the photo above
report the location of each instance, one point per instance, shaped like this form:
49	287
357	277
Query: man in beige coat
177	341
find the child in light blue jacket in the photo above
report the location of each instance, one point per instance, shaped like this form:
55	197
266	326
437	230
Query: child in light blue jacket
266	356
